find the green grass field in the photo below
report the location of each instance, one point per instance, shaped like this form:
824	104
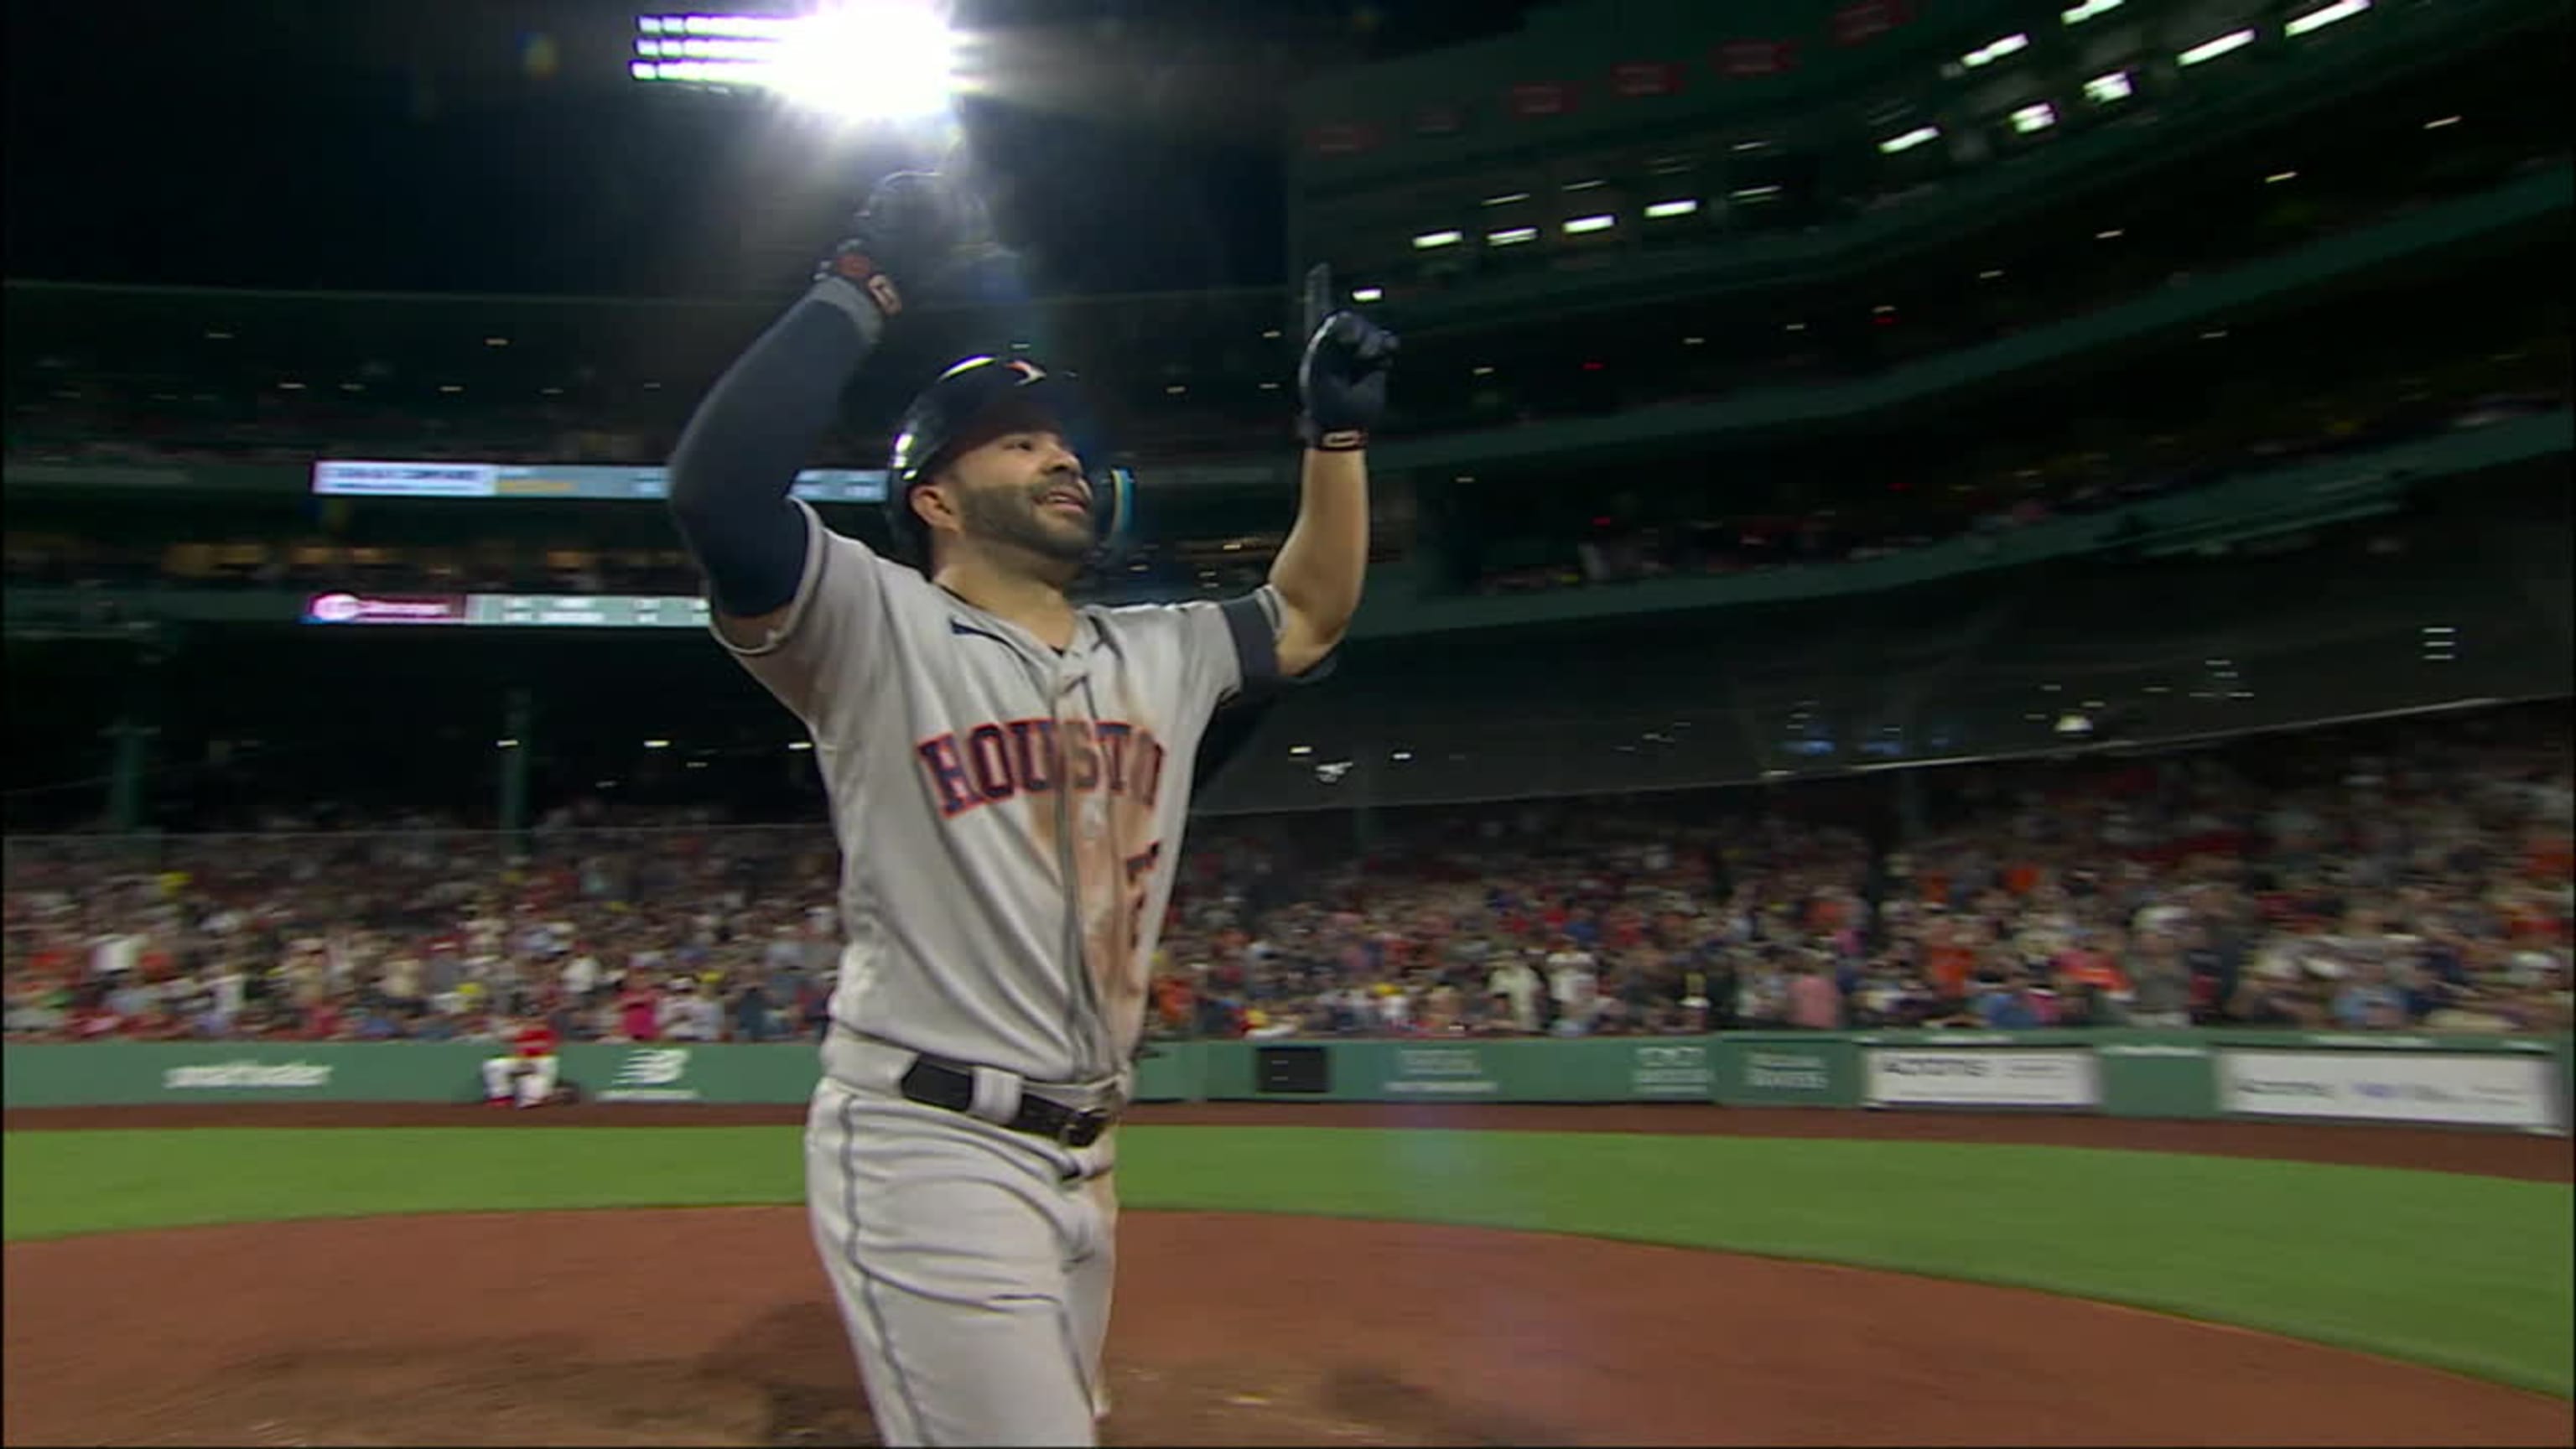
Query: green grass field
2466	1273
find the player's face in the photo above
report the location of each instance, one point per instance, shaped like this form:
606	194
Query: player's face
1025	490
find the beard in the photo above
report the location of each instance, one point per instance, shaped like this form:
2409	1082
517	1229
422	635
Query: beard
1015	519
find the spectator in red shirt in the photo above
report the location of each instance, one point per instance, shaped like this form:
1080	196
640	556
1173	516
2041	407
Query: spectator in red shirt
638	1009
321	1021
1815	1003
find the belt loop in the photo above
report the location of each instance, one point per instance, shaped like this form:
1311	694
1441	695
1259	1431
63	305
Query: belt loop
997	1096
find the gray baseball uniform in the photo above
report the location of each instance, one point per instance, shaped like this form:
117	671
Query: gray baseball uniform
1009	819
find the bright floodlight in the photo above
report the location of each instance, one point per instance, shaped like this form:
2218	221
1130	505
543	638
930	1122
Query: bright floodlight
2213	49
885	59
2317	19
2034	118
1995	50
2104	89
1907	142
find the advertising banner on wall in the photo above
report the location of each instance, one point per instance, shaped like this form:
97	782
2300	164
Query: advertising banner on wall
1974	1077
1438	1072
2467	1091
1675	1071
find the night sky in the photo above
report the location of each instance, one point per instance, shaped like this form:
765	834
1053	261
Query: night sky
471	146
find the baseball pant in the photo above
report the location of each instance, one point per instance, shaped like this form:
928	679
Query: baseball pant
973	1265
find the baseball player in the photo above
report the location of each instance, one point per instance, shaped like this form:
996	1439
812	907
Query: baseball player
1009	775
528	1072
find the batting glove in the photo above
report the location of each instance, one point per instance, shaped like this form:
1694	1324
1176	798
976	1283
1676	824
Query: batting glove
915	230
1342	382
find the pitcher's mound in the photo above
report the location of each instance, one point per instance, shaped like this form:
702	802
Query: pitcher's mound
714	1326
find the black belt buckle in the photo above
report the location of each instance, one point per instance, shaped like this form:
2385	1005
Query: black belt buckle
1073	1126
1081	1129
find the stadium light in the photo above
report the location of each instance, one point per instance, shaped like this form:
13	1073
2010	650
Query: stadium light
2088	10
2213	49
1995	50
1368	294
1662	209
1507	198
2321	18
863	59
1907	142
2034	118
1511	236
1585	185
1577	226
1753	193
2102	90
657	744
2435	124
1431	239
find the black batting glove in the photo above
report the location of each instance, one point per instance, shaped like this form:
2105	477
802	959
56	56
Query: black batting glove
1342	382
916	230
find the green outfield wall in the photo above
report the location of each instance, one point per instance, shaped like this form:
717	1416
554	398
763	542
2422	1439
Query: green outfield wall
2499	1083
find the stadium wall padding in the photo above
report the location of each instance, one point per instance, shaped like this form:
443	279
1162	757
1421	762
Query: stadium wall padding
2511	1083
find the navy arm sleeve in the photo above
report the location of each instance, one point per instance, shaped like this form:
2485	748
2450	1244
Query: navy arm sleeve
755	429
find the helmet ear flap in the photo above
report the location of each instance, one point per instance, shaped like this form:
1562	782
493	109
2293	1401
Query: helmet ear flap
1113	511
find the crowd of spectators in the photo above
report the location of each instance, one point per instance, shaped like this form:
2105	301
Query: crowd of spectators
2411	874
565	566
2295	424
2071	480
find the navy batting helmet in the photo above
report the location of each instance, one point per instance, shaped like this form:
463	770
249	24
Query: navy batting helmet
978	400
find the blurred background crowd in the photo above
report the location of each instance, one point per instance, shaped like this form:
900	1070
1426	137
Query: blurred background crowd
2399	875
